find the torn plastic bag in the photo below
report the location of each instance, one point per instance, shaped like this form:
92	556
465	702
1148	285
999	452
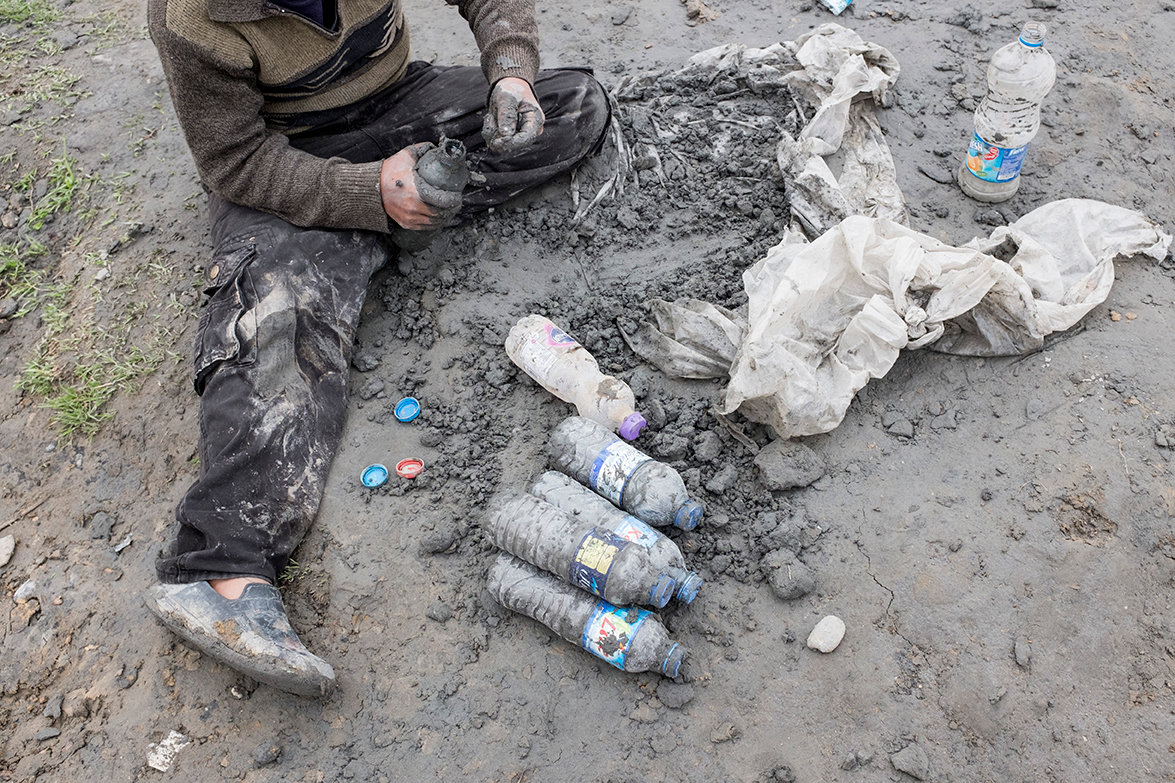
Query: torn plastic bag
826	316
691	338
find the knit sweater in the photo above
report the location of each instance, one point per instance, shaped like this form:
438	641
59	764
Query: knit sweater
245	73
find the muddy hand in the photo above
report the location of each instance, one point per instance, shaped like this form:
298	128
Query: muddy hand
514	118
401	199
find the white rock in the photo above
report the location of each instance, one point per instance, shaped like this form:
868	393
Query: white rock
7	546
160	756
827	634
25	592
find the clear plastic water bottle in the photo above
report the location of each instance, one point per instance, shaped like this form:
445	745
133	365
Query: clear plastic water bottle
633	640
1018	78
565	368
631	479
588	556
567	494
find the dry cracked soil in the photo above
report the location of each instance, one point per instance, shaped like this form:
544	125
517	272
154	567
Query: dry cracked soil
998	535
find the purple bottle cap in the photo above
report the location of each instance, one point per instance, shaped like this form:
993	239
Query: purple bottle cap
632	426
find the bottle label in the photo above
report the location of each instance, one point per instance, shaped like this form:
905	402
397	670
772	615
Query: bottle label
632	529
612	469
994	164
593	560
609	631
539	352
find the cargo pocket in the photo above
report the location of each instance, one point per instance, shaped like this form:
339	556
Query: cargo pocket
218	339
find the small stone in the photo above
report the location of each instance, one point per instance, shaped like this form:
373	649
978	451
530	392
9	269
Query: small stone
707	447
53	707
9	308
787	464
827	634
788	576
675	695
266	753
439	612
437	541
371	388
47	733
783	774
723	480
620	17
989	217
25	591
101	525
365	361
1034	409
901	427
912	760
643	714
1023	652
7	547
9	220
724	732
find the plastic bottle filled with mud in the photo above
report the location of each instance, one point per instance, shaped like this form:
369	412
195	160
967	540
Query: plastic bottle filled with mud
440	172
1018	78
573	548
566	369
629	478
568	495
633	640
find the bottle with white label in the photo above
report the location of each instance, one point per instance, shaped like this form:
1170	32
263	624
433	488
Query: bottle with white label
629	478
567	494
1018	78
632	640
573	548
566	369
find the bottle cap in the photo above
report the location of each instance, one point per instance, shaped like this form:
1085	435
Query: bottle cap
374	476
407	409
662	590
673	659
409	468
687	589
632	426
689	515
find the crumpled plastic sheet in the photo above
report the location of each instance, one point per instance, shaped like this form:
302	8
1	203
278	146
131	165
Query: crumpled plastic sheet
827	316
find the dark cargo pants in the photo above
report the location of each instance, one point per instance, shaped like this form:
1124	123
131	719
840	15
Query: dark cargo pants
274	344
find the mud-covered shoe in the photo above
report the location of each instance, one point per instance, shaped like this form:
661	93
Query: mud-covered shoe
251	634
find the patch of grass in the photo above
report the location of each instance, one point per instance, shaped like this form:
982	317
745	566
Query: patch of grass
292	572
34	12
63	183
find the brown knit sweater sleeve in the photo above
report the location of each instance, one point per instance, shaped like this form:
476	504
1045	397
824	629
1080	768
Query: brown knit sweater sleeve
219	105
506	35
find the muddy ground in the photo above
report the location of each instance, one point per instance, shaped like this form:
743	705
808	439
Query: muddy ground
998	535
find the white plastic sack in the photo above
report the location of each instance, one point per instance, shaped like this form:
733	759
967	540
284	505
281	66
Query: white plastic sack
827	316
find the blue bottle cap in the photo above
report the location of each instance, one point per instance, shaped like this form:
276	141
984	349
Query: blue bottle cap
662	591
689	515
407	409
687	591
374	476
673	659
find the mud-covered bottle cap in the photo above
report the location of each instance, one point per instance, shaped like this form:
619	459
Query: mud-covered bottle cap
662	590
374	476
632	426
687	589
673	660
689	515
407	409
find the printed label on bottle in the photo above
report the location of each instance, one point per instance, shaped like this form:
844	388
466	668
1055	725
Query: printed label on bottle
593	560
539	352
632	529
994	164
612	469
609	631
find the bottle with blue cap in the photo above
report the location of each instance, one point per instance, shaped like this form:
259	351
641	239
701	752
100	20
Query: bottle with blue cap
632	640
566	369
1018	78
586	555
630	479
568	495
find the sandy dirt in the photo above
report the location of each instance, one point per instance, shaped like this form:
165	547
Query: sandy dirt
997	535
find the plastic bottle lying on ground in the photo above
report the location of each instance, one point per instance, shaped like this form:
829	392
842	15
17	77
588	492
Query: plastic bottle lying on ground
566	369
567	494
632	480
576	549
1018	78
633	640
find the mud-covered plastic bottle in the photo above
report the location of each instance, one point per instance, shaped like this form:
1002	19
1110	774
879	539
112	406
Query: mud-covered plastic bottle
633	640
568	495
629	478
1018	78
566	369
588	556
440	172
